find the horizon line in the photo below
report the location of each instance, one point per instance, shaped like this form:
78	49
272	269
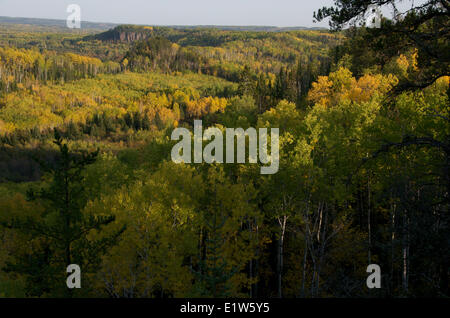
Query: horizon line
170	25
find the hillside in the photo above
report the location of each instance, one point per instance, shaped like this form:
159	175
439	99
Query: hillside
108	26
227	162
55	23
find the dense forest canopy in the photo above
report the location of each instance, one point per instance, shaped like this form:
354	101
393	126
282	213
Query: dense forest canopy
86	175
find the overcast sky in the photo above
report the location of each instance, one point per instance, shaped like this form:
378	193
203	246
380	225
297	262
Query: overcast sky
175	12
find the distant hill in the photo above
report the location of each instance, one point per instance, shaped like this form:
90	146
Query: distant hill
56	23
123	33
130	33
244	28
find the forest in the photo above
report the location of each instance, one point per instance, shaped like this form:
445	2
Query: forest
86	175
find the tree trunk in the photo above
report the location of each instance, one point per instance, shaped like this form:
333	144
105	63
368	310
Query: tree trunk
392	246
282	223
405	252
305	255
369	229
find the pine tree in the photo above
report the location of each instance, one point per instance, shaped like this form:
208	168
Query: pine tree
62	229
212	278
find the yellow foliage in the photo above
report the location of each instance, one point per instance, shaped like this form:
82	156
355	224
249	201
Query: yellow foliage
340	86
204	106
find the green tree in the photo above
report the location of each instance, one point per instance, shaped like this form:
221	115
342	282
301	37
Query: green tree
425	27
63	228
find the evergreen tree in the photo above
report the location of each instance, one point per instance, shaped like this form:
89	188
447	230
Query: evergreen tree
213	275
62	230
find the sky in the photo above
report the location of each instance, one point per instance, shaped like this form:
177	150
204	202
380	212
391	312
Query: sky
280	13
174	12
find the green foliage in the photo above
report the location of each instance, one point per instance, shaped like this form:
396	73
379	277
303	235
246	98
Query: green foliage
62	229
363	173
